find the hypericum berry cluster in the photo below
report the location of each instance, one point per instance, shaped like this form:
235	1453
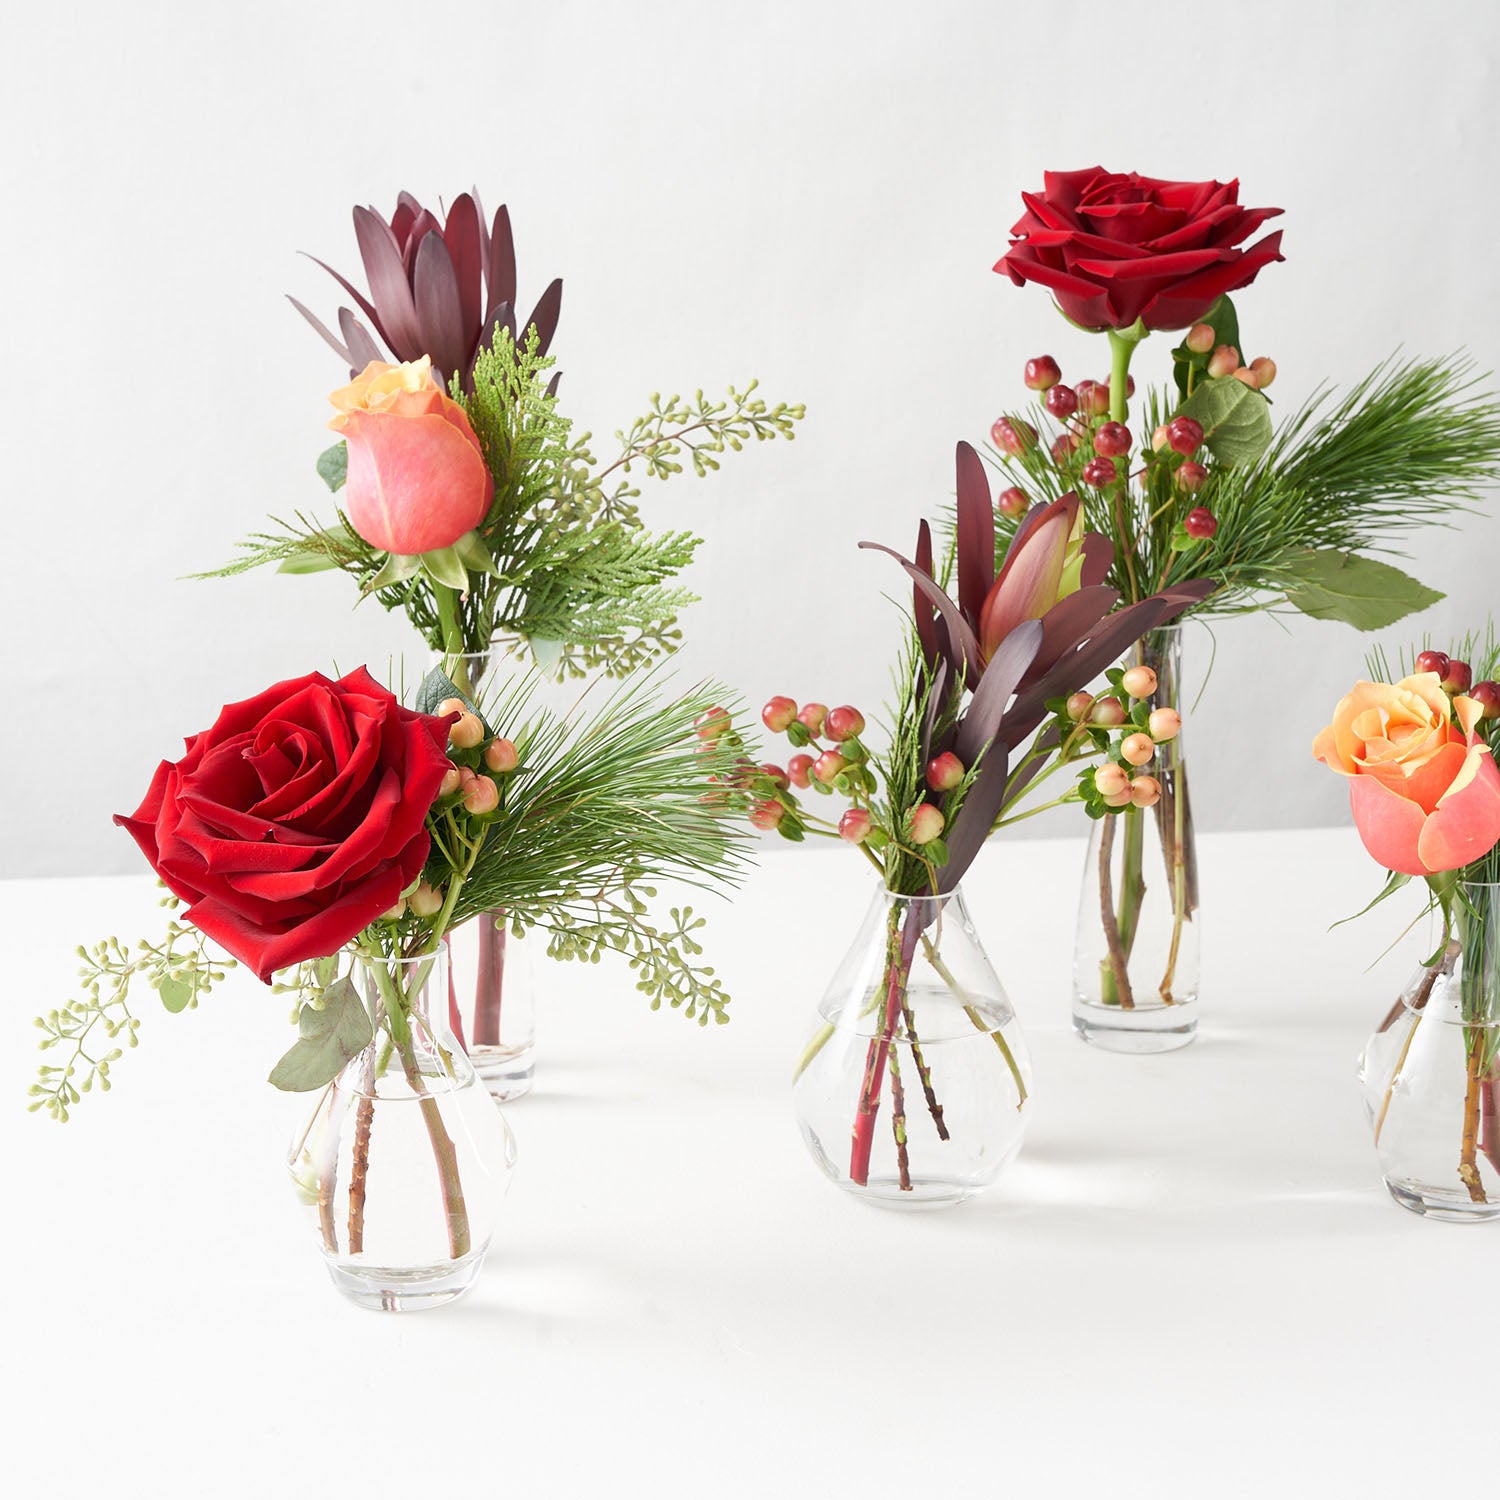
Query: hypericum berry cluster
1455	676
1125	729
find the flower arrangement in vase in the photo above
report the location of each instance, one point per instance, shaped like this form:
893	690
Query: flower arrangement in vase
1419	755
1195	480
990	705
332	840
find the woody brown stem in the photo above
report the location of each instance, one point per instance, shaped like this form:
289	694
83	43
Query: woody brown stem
898	1121
1116	960
923	1071
359	1171
1468	1159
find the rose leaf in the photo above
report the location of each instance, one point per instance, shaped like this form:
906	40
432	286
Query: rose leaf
327	1038
1332	585
333	466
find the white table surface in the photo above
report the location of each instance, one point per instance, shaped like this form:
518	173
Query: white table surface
1191	1283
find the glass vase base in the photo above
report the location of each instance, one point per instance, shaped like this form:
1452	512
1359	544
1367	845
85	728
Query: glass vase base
406	1288
1439	1203
930	1192
505	1072
1143	1029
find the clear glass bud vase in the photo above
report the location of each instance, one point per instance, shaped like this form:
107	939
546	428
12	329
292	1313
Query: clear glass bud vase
911	1091
492	972
1135	964
404	1164
1431	1074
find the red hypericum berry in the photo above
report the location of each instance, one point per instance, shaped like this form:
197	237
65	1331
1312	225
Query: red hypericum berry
1112	440
1487	695
828	765
925	823
712	724
1159	439
1078	705
1042	373
1225	360
778	713
1191	477
1185	435
1265	371
1013	502
799	768
845	723
774	772
766	815
1061	402
1458	677
1107	712
1013	436
812	716
1093	397
1199	523
1129	386
855	825
1200	338
1099	472
501	756
1433	661
944	772
1065	447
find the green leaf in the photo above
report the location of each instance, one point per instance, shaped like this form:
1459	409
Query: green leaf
1332	585
333	466
395	569
1393	883
437	687
314	559
327	1039
176	994
443	565
1236	420
474	555
1224	321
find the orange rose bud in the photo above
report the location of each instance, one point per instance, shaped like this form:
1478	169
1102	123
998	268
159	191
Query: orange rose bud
925	823
466	731
417	480
1139	682
1145	791
500	756
481	796
1138	748
1165	724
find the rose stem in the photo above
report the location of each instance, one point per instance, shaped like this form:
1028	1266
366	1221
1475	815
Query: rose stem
1418	1005
924	1072
1489	1121
898	1119
455	1016
1115	981
446	600
1132	883
490	985
1468	1164
359	1172
898	966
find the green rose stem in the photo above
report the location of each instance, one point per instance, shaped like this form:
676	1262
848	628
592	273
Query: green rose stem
1479	1039
1115	979
454	664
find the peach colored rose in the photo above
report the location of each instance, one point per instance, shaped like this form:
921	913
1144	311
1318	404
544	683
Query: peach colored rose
417	479
1425	792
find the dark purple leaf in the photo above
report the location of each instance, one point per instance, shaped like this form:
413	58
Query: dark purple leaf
981	722
343	353
1067	623
938	684
922	612
966	834
503	314
461	234
553	384
365	305
362	347
1098	558
502	262
439	312
389	289
544	317
975	533
407	212
966	660
484	237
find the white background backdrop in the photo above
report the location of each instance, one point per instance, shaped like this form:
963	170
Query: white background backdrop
813	194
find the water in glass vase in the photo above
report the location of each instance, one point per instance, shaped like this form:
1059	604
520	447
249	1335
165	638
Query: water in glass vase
1135	966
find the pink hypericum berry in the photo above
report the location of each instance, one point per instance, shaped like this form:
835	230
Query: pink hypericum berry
1159	438
799	768
1078	705
1246	376
1200	338
450	783
1199	523
425	901
812	716
1145	791
1013	436
1061	402
855	825
1093	397
466	731
778	713
944	772
1185	435
1458	677
1042	373
1111	778
774	773
767	814
1112	440
1191	477
1099	472
1138	748
1107	713
501	756
828	765
712	724
1139	682
451	706
845	723
925	823
1433	661
1165	724
1013	502
1487	695
1065	447
1225	360
481	796
1118	799
1265	371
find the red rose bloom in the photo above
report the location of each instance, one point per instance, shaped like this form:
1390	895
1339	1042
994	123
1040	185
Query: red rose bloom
1113	247
296	820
